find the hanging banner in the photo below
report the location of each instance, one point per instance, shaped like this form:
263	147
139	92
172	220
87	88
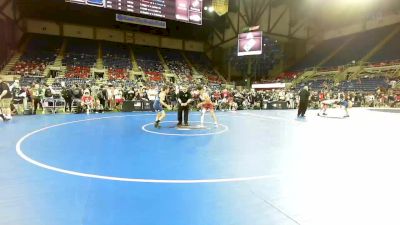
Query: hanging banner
221	7
140	21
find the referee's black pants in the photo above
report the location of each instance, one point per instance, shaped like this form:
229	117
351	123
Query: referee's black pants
302	108
183	109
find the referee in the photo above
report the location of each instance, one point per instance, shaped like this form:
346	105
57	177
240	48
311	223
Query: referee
184	99
304	97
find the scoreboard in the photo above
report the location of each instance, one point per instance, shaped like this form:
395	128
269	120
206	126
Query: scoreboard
189	11
250	43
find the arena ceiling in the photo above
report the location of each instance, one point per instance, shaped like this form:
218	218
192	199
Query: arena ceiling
325	14
318	15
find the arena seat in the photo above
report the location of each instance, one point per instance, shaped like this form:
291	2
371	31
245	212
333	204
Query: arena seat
316	85
72	81
81	53
201	63
29	80
116	58
77	72
389	52
117	74
364	84
155	76
318	53
176	62
41	51
147	59
358	47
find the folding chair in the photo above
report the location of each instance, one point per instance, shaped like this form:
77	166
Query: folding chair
48	105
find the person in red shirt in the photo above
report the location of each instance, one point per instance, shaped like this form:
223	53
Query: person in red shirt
87	101
217	97
321	96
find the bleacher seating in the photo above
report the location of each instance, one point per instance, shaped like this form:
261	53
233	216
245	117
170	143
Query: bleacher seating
40	52
29	80
175	62
147	59
154	76
316	85
286	76
125	83
81	52
389	52
80	56
116	58
116	55
204	66
364	84
117	74
72	81
358	47
77	72
319	53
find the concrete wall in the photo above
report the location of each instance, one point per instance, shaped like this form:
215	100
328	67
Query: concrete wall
110	35
42	27
171	43
194	46
114	35
147	39
72	30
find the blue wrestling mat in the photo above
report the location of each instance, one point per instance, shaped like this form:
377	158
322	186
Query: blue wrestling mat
256	167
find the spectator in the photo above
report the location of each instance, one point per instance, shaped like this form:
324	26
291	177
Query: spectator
87	101
5	101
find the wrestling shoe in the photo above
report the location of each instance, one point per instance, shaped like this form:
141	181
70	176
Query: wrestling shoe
157	124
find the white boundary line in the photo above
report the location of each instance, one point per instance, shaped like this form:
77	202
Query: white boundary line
262	117
186	135
88	175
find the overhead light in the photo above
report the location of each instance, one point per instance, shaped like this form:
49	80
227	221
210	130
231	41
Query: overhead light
205	8
211	9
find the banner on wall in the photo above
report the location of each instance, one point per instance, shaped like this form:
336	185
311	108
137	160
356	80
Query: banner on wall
268	86
140	21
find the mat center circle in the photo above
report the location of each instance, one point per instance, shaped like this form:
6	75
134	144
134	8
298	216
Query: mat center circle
170	128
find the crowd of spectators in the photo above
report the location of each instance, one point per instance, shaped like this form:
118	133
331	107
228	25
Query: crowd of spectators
77	72
29	68
81	55
118	74
111	95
